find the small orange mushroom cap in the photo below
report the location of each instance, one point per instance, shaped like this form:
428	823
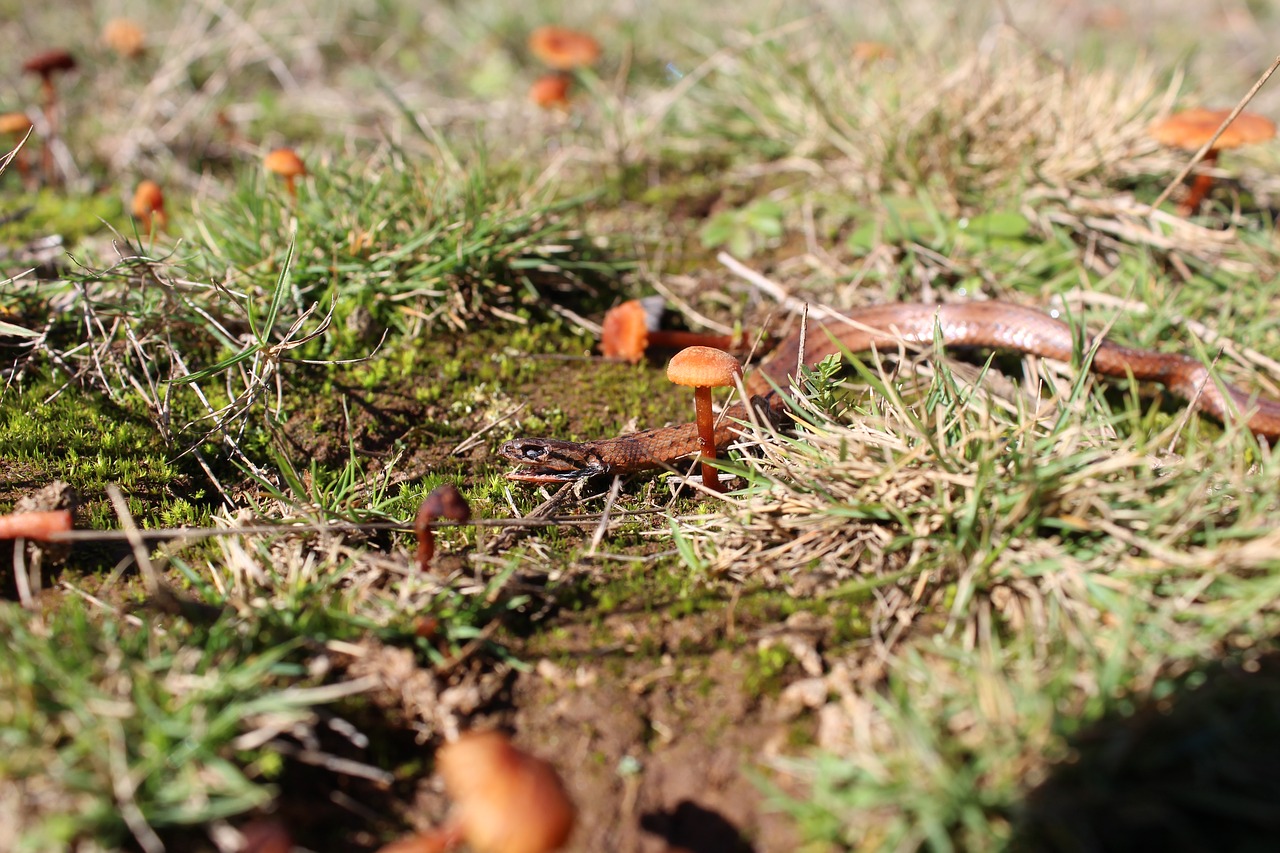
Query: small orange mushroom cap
703	367
550	91
148	205
125	37
14	123
562	48
625	331
285	162
867	52
507	801
1192	128
48	62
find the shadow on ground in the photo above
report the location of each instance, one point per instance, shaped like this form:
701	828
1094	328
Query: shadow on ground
1196	770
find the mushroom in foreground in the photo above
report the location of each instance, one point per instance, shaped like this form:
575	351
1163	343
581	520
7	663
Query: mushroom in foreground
17	125
505	800
148	207
39	525
443	502
632	327
46	65
705	368
286	163
1192	128
562	48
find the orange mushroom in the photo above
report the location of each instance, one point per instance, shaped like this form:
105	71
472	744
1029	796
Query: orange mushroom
148	207
867	52
443	502
286	163
563	49
632	327
551	91
125	37
1192	128
39	525
18	126
506	800
46	65
705	368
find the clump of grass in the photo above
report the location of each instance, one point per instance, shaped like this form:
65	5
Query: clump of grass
1022	560
111	730
409	242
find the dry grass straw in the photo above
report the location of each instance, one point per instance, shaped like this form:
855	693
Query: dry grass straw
950	487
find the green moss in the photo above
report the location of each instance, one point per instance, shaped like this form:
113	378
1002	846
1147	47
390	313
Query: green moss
70	216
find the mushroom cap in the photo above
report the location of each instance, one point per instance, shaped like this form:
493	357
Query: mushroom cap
703	367
125	37
46	63
562	48
15	123
147	199
550	90
867	52
1192	128
507	801
285	162
625	332
447	502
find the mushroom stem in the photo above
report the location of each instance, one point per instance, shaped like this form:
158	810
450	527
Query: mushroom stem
46	65
1200	186
50	98
704	368
677	339
443	502
706	437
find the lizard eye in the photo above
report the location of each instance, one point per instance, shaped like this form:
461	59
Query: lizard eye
532	452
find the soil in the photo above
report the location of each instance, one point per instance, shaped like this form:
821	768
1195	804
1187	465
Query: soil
658	758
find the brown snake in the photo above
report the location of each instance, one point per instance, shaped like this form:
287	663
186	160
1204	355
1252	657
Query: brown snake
993	325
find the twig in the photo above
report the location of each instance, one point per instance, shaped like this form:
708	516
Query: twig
474	439
773	289
134	538
596	537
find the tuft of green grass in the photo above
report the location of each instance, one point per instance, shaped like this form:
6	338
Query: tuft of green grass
408	242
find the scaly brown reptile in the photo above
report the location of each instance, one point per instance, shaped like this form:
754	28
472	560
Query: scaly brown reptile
994	325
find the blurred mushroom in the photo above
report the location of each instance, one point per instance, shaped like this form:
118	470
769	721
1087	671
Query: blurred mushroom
563	49
705	368
551	91
46	65
125	37
1192	128
443	502
286	163
18	126
505	800
632	327
867	52
265	835
148	207
39	525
